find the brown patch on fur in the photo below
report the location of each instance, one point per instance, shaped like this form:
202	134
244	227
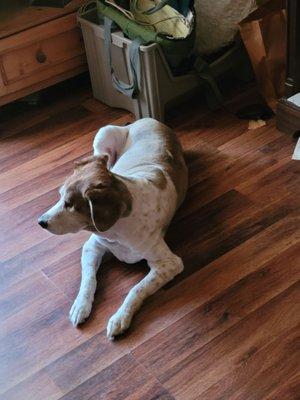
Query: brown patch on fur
170	158
159	179
174	164
98	159
94	189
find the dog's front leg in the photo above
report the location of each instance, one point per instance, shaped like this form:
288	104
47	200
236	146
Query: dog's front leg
92	254
164	266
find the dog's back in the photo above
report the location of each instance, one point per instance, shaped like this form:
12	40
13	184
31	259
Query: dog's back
151	151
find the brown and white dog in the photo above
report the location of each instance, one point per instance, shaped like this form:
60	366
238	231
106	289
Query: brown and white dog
125	194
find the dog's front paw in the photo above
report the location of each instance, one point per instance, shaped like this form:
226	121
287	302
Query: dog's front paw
118	324
80	311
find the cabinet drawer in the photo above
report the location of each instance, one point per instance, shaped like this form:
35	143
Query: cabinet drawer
30	60
40	53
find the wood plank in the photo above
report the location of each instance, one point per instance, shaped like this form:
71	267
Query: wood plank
48	133
34	336
251	140
16	117
221	210
213	169
47	76
76	67
216	242
37	387
179	340
23	63
210	128
38	187
261	372
33	168
43	254
277	184
125	379
34	171
55	131
28	36
288	390
23	294
68	371
279	148
17	18
209	364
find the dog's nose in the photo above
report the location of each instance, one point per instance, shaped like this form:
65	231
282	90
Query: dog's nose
42	223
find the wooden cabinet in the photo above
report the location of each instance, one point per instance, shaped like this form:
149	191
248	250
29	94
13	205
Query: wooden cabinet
40	56
288	114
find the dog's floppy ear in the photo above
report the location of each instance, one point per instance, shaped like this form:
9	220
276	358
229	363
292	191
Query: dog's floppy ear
106	207
103	159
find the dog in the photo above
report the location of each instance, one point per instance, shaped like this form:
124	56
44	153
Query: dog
125	194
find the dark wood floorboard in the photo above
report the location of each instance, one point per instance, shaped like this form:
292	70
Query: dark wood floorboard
226	328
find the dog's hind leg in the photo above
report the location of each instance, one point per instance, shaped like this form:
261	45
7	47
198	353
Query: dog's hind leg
110	140
91	258
164	266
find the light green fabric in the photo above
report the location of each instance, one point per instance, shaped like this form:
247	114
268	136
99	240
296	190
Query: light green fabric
162	19
175	50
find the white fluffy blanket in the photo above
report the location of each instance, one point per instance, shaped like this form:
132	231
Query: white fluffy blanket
217	22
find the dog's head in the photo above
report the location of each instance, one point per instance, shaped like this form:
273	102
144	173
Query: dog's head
92	198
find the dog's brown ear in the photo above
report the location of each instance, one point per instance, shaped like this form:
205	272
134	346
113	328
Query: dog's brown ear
106	207
103	159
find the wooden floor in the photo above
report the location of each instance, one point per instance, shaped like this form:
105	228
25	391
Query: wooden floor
226	328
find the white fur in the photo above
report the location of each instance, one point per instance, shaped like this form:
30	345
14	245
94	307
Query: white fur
91	258
63	220
139	235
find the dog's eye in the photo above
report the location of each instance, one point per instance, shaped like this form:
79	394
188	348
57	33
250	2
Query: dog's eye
68	204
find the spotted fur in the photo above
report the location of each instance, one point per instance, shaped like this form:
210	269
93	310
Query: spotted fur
126	194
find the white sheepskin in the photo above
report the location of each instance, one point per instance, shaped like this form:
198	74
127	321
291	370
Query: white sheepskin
217	22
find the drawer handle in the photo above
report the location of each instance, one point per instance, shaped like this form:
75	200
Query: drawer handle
40	57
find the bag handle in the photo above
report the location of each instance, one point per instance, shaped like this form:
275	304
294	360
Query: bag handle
130	90
204	74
